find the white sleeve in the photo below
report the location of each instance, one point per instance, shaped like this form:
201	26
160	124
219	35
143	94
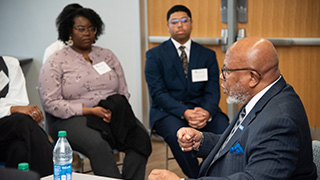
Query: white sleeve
17	93
56	46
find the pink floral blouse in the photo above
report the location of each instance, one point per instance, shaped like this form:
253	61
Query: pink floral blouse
67	82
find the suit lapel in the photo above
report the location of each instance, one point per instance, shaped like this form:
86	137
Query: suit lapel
209	160
174	58
235	136
193	59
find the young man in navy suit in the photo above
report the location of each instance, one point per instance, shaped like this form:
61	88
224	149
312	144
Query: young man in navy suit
272	140
184	87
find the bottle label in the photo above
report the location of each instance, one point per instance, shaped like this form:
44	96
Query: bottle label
62	172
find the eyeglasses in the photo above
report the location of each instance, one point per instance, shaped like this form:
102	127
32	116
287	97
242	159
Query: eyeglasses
183	20
82	29
224	70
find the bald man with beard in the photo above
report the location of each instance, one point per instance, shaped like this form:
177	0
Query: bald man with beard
272	139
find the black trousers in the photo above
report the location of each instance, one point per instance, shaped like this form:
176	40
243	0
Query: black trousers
23	140
89	142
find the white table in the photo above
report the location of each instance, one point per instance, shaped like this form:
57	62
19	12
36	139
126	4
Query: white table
80	176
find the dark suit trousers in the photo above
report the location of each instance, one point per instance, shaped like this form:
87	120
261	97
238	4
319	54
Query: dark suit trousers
23	140
168	127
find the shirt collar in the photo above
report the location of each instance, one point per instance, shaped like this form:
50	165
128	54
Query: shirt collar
177	44
258	96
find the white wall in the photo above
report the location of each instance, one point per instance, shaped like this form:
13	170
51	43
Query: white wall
27	27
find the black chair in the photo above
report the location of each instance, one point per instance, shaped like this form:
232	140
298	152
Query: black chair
167	157
316	155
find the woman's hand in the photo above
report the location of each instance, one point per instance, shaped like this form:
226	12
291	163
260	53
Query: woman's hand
98	111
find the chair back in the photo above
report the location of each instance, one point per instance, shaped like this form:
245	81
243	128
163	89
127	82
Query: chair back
316	155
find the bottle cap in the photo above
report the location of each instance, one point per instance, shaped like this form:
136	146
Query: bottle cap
62	133
23	166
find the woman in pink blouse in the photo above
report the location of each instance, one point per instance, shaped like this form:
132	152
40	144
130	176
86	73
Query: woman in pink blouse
73	81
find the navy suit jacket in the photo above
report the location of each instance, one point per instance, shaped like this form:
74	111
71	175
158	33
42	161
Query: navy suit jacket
171	93
275	139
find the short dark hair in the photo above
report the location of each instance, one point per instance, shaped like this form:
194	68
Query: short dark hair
177	8
65	26
67	10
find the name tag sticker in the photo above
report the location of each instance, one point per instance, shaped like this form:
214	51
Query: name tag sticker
102	67
199	75
4	80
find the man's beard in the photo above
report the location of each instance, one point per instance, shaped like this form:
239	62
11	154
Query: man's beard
238	95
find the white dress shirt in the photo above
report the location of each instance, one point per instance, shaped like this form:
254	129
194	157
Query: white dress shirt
187	46
17	93
257	97
52	48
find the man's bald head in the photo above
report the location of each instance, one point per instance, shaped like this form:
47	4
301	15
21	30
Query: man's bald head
256	53
250	65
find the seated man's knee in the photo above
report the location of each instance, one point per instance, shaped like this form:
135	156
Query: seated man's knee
22	120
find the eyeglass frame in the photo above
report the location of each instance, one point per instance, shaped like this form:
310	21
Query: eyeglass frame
89	29
224	69
176	21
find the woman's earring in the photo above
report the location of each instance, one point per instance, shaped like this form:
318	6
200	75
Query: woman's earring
70	41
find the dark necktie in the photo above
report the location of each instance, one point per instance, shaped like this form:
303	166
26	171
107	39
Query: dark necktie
235	127
184	60
3	67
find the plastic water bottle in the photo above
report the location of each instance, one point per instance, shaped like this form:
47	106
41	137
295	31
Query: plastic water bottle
62	158
24	166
